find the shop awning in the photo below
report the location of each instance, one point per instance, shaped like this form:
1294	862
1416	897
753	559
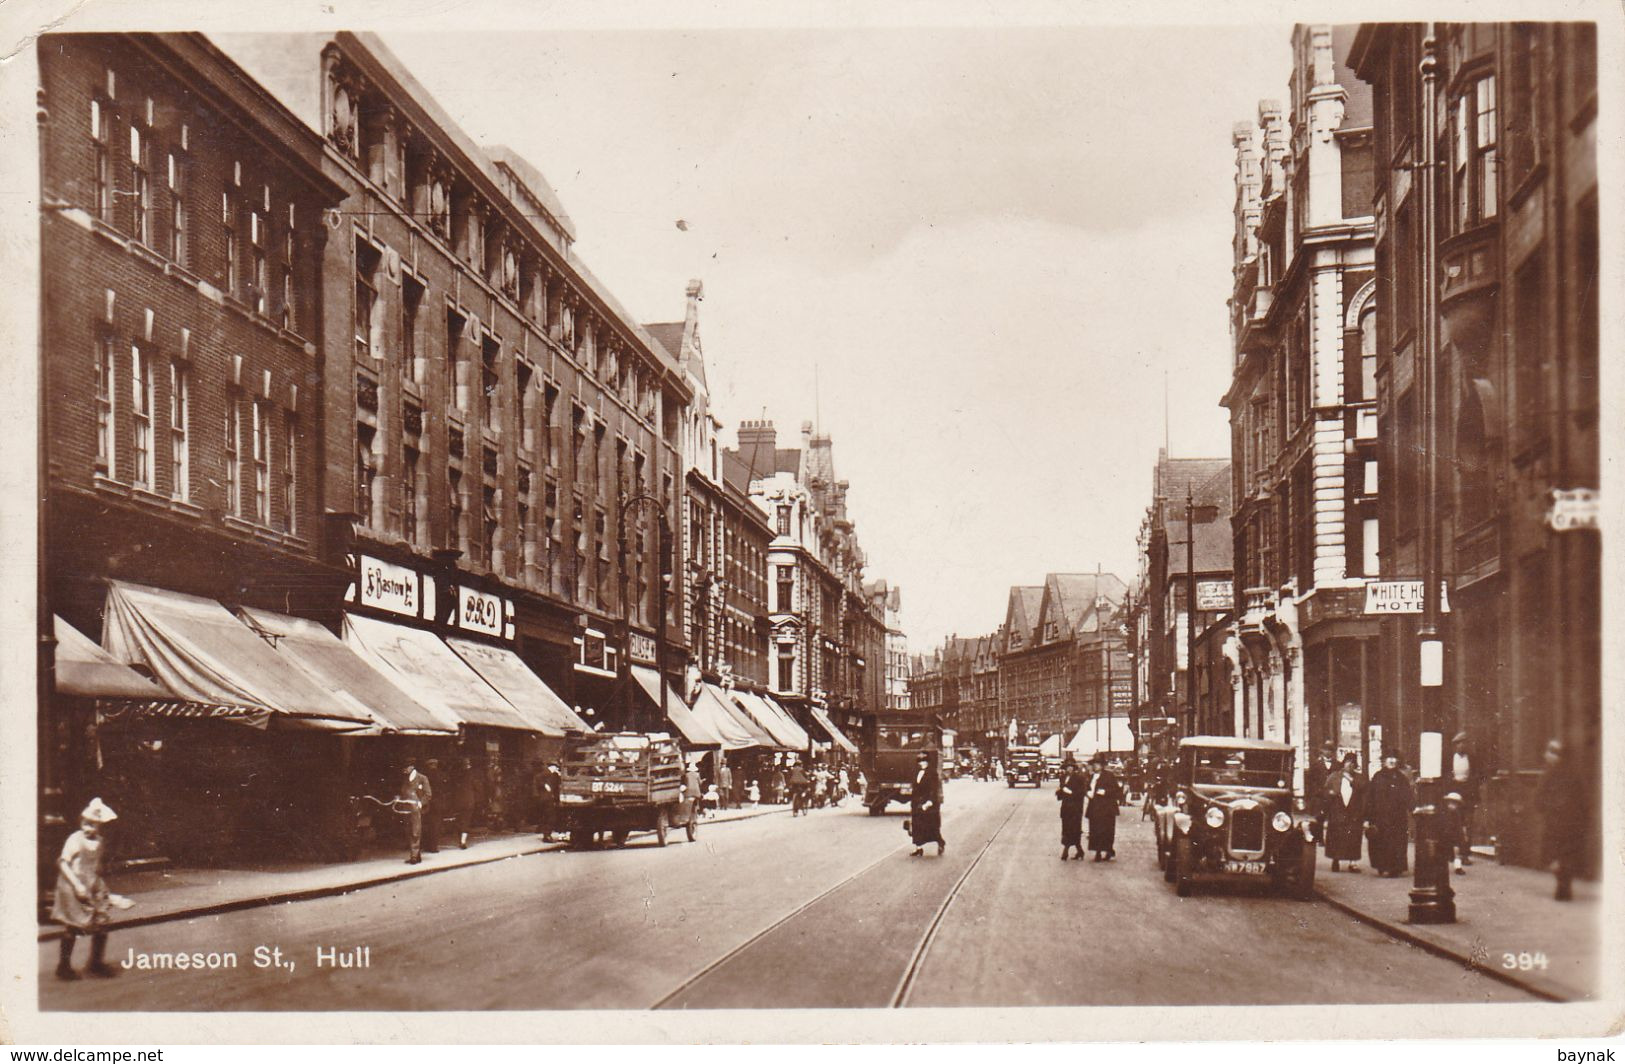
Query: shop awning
323	657
86	670
786	732
722	716
197	649
685	720
514	680
834	733
426	668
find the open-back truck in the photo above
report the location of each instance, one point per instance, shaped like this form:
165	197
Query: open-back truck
620	783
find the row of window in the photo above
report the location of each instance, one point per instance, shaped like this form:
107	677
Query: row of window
125	395
158	211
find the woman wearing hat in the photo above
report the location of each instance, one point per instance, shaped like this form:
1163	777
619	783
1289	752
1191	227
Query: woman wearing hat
82	900
1105	799
1072	794
925	808
1342	814
1388	809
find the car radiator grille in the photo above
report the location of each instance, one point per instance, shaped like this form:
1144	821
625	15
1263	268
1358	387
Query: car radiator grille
1247	829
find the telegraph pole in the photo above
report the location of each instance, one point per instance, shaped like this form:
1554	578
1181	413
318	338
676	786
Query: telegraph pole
1433	899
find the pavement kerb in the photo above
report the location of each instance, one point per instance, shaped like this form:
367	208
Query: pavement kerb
328	890
1399	931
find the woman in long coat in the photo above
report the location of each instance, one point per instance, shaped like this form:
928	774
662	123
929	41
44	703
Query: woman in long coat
1105	799
1342	814
925	808
1388	802
1072	793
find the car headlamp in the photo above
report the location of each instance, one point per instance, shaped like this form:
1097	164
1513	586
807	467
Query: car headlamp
1282	821
1215	817
1179	799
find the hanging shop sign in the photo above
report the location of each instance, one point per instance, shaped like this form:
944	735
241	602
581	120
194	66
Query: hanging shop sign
1349	718
393	588
483	612
1401	596
1214	594
640	648
1575	509
1122	694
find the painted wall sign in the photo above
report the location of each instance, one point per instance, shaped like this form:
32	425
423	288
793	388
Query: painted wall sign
1577	508
479	611
393	588
1401	596
1214	594
641	648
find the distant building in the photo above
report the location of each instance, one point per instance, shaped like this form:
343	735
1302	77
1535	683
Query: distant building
889	602
1062	643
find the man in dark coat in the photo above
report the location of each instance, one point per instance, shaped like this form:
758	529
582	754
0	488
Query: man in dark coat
431	808
1564	815
414	798
925	808
1105	798
1319	773
1342	814
1072	793
462	802
1388	802
552	784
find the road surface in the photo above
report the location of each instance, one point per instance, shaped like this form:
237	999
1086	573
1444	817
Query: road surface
823	911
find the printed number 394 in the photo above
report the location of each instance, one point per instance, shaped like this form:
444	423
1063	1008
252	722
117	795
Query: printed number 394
1524	962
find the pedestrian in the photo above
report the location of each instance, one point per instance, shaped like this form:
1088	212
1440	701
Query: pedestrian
1564	818
461	800
551	788
1072	794
1464	781
1319	773
725	781
925	808
83	903
755	793
798	783
1388	802
1105	799
414	798
431	808
1342	814
693	789
712	801
1451	829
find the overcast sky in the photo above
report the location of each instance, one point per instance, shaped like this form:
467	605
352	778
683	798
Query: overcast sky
971	256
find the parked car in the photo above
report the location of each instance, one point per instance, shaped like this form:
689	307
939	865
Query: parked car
1024	764
1230	810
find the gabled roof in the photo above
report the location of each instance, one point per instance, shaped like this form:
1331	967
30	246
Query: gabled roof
1215	541
1021	614
1073	601
668	334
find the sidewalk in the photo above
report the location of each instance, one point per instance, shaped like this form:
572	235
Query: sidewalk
1502	912
163	894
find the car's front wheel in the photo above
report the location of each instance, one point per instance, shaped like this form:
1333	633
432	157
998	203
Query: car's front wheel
1184	863
1303	883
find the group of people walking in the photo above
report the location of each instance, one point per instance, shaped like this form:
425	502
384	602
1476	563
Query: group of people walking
1354	811
1094	793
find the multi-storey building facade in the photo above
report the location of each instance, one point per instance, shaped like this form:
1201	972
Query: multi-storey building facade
1167	549
492	414
1516	398
828	641
888	602
1302	403
180	231
1064	649
724	536
925	683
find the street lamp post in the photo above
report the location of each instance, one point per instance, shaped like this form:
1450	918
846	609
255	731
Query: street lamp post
630	503
1432	896
1190	610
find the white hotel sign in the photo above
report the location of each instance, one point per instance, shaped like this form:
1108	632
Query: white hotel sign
1401	596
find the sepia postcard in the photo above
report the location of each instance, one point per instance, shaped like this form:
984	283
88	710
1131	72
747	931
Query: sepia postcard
742	523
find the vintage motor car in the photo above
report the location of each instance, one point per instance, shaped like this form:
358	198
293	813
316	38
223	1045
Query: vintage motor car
1230	811
1024	764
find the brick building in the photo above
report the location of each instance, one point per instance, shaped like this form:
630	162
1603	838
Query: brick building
494	418
1302	405
181	229
1518	407
725	536
1062	643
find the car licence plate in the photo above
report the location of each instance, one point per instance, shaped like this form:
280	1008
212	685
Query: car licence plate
607	787
1252	868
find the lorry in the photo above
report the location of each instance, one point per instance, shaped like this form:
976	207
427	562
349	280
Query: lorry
1023	764
889	750
622	782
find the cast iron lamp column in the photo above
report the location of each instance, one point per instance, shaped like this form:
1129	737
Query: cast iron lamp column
1433	899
